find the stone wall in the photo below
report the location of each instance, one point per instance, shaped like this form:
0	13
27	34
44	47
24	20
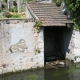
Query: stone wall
21	46
74	47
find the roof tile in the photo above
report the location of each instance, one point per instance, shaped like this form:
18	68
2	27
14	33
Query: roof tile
49	14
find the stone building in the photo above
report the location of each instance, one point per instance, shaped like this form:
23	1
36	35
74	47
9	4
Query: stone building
61	40
23	46
57	28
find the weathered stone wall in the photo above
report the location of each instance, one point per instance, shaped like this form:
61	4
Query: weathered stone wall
74	47
67	35
21	46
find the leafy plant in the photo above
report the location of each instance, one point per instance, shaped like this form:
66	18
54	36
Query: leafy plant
13	9
58	2
38	24
76	26
74	8
15	16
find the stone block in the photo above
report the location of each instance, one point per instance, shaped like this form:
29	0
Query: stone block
14	49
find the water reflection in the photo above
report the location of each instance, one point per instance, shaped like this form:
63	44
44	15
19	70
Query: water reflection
26	75
69	72
57	74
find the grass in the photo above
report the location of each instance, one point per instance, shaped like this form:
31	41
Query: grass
14	15
3	17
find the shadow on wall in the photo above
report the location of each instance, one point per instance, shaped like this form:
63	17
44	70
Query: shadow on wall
56	42
67	35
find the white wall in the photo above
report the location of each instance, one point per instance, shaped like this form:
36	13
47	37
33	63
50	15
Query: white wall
16	55
74	47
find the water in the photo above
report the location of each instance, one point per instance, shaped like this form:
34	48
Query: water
68	72
37	74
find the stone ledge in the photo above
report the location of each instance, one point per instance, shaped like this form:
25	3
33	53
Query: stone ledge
27	19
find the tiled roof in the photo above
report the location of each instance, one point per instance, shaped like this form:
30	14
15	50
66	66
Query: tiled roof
49	14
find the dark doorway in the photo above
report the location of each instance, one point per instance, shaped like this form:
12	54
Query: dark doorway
55	46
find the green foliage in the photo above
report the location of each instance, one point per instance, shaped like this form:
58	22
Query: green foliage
29	0
5	1
53	0
58	2
38	24
13	9
25	0
15	16
3	17
74	8
76	26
